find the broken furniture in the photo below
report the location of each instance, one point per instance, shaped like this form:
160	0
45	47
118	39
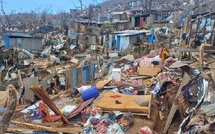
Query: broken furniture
202	50
40	92
110	101
45	115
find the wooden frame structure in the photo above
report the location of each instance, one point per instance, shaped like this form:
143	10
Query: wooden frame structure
211	16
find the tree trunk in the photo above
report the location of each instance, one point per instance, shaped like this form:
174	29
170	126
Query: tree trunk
10	109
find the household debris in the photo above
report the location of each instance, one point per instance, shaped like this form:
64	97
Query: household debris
122	75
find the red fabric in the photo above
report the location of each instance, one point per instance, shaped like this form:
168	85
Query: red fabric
142	21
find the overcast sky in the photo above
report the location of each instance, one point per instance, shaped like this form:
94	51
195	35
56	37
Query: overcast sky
54	5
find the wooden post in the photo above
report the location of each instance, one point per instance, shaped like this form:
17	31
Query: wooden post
191	24
33	126
181	32
0	77
10	109
198	23
211	39
201	56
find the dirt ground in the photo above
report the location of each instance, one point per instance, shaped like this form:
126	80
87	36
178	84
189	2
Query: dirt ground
157	126
154	122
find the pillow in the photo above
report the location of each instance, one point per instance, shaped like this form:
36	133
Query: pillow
142	101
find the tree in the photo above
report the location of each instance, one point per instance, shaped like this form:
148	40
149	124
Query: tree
81	5
45	14
90	13
5	19
147	5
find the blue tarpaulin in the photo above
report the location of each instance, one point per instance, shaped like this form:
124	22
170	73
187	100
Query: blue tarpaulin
152	37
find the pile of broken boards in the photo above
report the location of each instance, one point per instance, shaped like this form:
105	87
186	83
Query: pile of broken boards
150	86
196	102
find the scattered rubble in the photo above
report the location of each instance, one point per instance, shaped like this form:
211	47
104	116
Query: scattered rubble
116	76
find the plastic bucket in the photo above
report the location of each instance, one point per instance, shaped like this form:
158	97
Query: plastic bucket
90	93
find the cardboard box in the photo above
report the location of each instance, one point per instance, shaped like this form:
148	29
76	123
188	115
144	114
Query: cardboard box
150	71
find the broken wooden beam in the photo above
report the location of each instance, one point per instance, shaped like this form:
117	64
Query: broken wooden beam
33	126
40	92
10	109
183	49
17	129
202	49
69	130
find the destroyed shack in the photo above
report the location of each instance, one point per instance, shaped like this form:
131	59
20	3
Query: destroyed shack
147	68
124	39
24	42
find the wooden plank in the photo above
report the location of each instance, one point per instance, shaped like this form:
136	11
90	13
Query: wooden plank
183	49
39	91
70	130
33	126
10	109
149	107
201	56
199	17
0	77
202	50
52	124
102	83
185	80
17	129
213	74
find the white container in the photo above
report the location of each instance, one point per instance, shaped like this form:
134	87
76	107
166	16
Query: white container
116	74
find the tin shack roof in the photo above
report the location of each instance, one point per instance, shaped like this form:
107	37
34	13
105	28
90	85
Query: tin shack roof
131	32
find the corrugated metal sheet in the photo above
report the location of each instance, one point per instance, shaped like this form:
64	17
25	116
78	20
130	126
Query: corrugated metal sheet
25	42
131	32
92	72
78	76
74	78
7	41
85	74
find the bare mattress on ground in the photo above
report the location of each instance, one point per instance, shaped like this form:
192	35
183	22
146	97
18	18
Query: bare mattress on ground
110	101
